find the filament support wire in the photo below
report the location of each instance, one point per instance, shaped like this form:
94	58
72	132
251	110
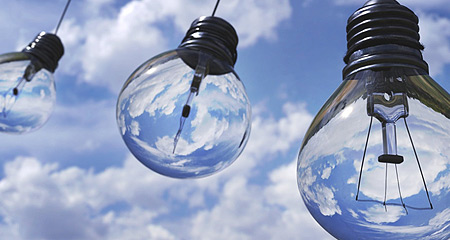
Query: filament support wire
384	202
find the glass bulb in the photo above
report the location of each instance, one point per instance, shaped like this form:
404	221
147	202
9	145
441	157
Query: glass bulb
374	163
392	206
184	113
27	88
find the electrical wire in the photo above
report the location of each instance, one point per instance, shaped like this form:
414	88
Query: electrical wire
399	191
418	163
215	8
364	155
62	16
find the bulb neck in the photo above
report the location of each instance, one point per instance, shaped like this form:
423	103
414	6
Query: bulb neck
380	35
46	48
214	36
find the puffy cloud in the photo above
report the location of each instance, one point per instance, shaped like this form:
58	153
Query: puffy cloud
34	205
278	135
247	211
295	220
41	201
435	36
378	214
107	47
135	225
47	201
105	40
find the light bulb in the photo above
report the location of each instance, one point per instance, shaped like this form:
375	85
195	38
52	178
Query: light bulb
374	163
185	113
27	88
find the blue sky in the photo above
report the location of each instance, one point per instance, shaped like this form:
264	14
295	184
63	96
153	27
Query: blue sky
75	179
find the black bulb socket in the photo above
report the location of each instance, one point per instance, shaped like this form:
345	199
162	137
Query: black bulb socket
45	50
214	36
383	34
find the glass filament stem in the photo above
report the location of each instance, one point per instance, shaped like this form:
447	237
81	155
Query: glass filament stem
10	96
200	73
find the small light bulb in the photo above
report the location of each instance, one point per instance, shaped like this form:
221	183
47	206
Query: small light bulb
185	113
27	89
374	162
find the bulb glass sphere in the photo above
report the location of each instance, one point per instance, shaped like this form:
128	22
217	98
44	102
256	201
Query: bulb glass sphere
27	94
184	121
345	176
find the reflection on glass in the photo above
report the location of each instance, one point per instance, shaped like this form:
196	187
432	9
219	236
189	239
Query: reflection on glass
181	121
27	97
375	163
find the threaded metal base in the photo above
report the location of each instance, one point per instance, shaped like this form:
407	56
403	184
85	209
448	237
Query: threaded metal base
383	34
47	48
214	36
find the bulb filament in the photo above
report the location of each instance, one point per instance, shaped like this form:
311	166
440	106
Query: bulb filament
200	73
9	97
388	107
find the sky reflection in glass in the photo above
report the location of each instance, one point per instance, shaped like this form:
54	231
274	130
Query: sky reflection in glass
330	161
214	134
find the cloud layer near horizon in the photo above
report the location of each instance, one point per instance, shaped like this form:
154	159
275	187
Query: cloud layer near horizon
44	201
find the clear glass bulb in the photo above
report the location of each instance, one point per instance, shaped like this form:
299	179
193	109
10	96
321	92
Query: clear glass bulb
374	163
184	121
27	94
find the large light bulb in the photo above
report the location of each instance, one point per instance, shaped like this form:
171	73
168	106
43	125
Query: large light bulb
374	163
185	113
27	88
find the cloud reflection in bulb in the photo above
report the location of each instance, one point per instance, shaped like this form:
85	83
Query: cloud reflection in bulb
27	88
185	113
374	162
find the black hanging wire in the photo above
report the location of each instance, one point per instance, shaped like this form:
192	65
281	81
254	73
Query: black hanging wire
215	8
62	16
418	163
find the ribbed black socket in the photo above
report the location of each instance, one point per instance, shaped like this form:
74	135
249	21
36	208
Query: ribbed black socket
214	36
47	48
383	34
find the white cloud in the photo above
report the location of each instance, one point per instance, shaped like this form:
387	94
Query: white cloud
434	4
135	225
435	36
436	225
45	201
408	3
278	135
246	211
135	129
42	201
434	30
295	220
247	17
377	214
320	194
33	204
106	48
82	128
